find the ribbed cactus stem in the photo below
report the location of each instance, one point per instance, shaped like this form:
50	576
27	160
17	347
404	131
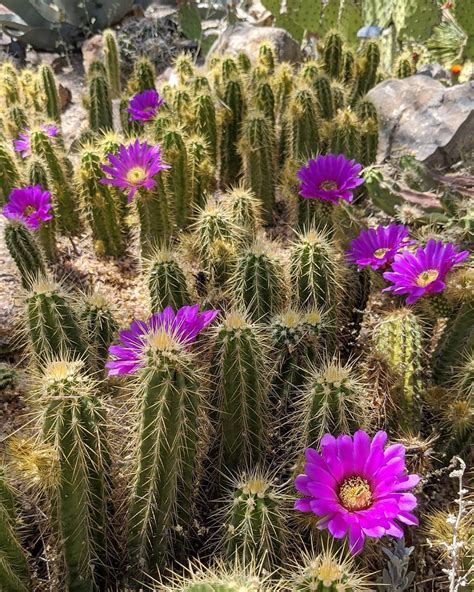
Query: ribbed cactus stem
74	423
166	280
231	162
112	62
369	140
348	67
229	69
367	77
100	104
168	388
265	100
266	56
323	91
184	67
345	134
257	148
177	178
333	54
241	374
9	175
243	62
154	215
17	120
37	175
244	210
202	171
283	83
404	68
205	116
24	249
14	572
9	86
48	83
302	126
144	75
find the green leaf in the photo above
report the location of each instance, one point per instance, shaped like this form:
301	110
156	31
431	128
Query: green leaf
190	21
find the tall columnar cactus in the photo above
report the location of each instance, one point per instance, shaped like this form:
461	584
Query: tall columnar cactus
53	327
205	117
348	66
258	283
331	401
243	62
182	105
143	76
283	84
345	134
100	104
333	55
17	120
155	214
177	178
240	369
367	76
322	89
99	326
244	210
368	142
266	56
399	338
169	390
309	72
302	126
112	62
9	175
14	571
253	517
184	67
338	95
167	283
265	100
231	162
202	173
98	200
9	86
50	90
59	176
229	69
257	148
25	251
74	424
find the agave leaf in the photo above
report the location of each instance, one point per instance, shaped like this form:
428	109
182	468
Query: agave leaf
26	11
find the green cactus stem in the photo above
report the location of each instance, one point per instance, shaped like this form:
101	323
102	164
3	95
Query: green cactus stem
50	90
100	104
9	175
202	171
143	76
345	134
244	210
112	62
231	162
25	251
302	126
176	181
323	92
333	55
166	280
205	117
184	67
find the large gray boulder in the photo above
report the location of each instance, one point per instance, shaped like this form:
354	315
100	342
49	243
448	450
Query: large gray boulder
419	115
247	38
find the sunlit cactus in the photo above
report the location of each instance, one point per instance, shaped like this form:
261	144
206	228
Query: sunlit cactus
339	95
202	170
9	175
367	76
205	121
301	126
283	83
182	105
17	120
167	282
369	139
184	67
112	62
100	104
345	134
143	77
25	251
333	55
200	84
323	92
266	56
234	101
50	90
244	63
155	215
229	69
265	100
176	181
9	86
404	68
244	210
348	66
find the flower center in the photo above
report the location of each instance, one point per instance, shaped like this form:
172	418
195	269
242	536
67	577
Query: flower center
427	277
162	341
328	185
380	253
355	494
29	210
136	175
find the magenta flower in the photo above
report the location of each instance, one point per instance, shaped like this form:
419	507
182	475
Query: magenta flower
144	106
164	330
330	178
134	166
31	205
358	488
23	144
378	246
423	272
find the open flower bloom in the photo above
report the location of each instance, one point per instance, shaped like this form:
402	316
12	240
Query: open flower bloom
134	166
423	272
166	327
31	205
23	145
330	178
378	246
144	106
358	487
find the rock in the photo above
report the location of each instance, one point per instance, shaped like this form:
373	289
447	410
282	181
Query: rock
65	96
419	115
92	50
435	71
245	37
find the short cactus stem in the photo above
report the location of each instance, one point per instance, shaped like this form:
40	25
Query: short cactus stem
143	76
74	424
167	281
48	83
231	162
168	388
18	120
184	67
368	74
14	571
404	68
205	117
244	210
322	89
257	148
301	126
283	84
9	175
399	338
112	62
202	177
176	181
154	215
348	67
24	249
266	57
265	100
240	369
9	84
369	139
243	62
100	104
8	377
229	69
345	134
53	326
338	96
333	55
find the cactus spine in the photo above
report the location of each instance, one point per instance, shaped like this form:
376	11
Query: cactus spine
143	75
48	83
74	424
265	100
205	115
244	210
184	67
202	179
154	215
167	282
8	377
345	134
9	175
177	178
25	252
231	162
241	373
266	57
333	55
112	62
368	74
322	89
302	126
100	104
403	68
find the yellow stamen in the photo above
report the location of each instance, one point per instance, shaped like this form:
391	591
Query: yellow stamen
255	487
162	341
136	175
328	185
380	253
427	277
355	494
29	210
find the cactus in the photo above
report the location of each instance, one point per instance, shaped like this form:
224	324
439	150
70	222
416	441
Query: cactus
331	401
244	210
53	327
257	148
200	84
266	57
98	200
258	283
283	84
345	134
202	180
14	571
333	55
205	116
368	142
184	67
302	125
231	162
368	73
8	377
9	175
323	92
240	373
155	215
166	280
253	519
365	109
229	69
404	68
74	424
18	120
99	326
348	67
338	95
59	174
25	251
50	90
143	76
100	104
265	100
399	338
169	390
112	62
177	179
243	62
182	104
9	86
130	127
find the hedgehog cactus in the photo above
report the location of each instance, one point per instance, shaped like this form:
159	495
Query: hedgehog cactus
9	84
229	69
100	104
202	174
244	210
74	424
333	55
176	181
231	162
112	62
345	134
50	90
205	122
265	100
184	67
404	68
266	57
25	251
9	175
323	92
241	376
8	377
143	77
167	282
301	126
